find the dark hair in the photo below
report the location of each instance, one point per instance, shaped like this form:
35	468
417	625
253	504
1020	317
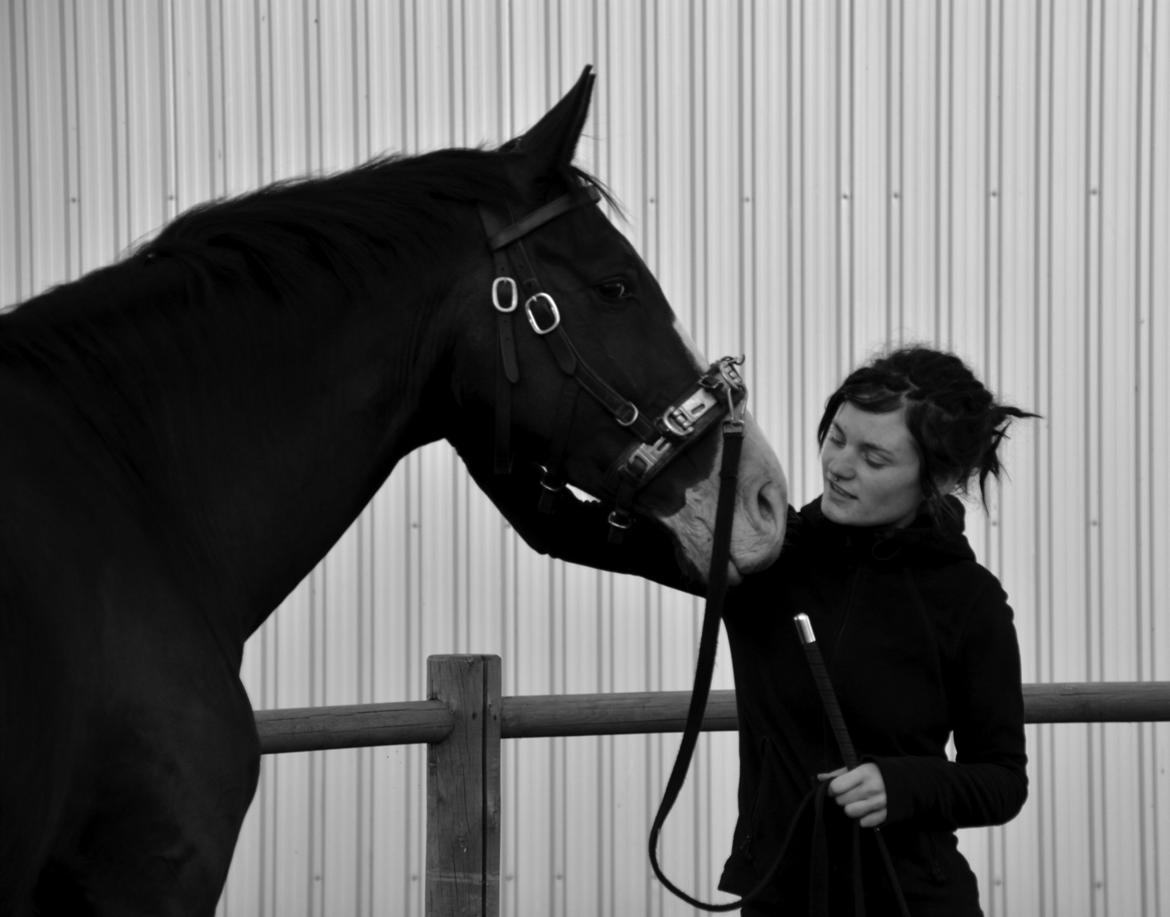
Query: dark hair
956	423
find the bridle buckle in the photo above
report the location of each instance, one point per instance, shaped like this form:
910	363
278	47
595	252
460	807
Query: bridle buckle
679	420
505	283
553	311
630	418
734	390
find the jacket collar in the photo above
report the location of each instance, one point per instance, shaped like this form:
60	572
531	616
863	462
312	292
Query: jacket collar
925	539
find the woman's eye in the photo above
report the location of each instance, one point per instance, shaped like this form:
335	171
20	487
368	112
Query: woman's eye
613	290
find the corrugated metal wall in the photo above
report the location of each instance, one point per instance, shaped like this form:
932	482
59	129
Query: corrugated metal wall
809	180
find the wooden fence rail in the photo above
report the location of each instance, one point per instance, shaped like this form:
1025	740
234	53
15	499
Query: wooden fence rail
465	718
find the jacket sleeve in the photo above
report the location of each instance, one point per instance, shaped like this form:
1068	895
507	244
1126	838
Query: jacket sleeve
987	783
578	531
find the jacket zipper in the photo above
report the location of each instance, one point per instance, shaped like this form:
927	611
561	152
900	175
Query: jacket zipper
832	661
745	846
936	870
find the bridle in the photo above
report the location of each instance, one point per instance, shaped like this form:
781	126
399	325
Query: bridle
719	393
655	440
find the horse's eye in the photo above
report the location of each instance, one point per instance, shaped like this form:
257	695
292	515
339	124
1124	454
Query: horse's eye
613	290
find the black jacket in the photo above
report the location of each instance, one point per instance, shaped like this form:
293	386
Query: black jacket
919	642
920	645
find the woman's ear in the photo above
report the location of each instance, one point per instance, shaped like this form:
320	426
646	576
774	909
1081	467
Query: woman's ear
946	484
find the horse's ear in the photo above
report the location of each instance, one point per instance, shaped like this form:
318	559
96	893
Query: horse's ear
550	144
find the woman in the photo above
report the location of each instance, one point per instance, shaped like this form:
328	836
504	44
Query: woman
917	636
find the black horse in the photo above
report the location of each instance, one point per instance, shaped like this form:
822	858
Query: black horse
185	434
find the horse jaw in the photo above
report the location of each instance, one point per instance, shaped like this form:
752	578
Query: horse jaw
761	512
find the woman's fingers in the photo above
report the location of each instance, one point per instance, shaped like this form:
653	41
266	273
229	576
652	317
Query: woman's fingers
863	779
871	811
861	793
872	821
867	806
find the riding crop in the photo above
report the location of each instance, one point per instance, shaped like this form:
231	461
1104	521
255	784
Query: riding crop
820	674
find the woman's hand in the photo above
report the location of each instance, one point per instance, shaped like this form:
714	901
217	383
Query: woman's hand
861	793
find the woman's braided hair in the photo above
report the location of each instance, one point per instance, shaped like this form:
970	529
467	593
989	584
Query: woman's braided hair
956	423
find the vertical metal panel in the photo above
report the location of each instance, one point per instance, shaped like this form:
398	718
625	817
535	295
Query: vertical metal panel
809	180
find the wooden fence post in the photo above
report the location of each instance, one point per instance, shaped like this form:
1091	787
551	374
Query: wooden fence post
463	790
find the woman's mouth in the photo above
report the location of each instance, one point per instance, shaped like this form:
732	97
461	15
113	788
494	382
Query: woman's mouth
836	489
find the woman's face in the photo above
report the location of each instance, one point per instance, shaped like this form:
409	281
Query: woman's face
870	467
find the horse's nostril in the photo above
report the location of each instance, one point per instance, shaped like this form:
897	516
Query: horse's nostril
764	503
770	502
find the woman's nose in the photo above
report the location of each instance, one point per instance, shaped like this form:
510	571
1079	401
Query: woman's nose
839	468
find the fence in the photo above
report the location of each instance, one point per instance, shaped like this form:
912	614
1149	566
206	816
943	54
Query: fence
465	719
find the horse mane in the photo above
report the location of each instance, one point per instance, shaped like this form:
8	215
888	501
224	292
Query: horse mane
391	212
356	225
393	218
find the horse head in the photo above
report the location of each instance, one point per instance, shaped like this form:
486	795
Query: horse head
578	363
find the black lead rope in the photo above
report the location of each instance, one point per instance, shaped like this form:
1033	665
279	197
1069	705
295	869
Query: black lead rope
705	666
733	432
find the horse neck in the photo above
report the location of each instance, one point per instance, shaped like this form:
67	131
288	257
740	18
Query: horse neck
259	432
313	440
